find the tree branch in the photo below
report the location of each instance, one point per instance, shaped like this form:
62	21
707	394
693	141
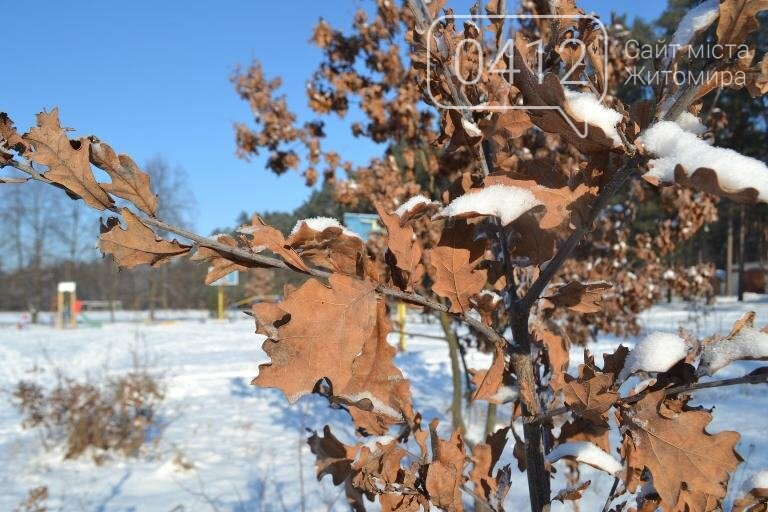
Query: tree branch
565	250
760	378
255	259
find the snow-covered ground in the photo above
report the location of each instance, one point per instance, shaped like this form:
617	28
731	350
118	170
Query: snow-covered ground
246	446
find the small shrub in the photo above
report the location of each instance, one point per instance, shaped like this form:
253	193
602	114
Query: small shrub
35	501
115	416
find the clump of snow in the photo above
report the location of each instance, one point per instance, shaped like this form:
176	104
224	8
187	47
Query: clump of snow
411	204
586	107
587	453
749	343
691	123
495	297
758	480
657	352
503	201
321	224
471	128
672	145
506	394
695	20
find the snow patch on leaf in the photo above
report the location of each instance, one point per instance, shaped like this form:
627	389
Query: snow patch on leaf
505	202
657	352
587	453
673	145
321	224
411	204
585	106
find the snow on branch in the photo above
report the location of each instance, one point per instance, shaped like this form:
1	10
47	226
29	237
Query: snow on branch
673	145
747	344
586	453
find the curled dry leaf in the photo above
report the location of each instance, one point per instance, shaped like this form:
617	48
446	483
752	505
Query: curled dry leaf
707	181
404	254
485	456
137	244
445	473
67	161
488	382
738	19
265	236
9	139
590	396
572	493
577	296
343	341
453	264
331	247
335	458
128	181
220	265
678	451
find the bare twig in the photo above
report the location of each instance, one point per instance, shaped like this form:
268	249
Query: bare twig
249	257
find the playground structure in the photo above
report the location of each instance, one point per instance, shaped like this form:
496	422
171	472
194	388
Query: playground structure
231	279
67	307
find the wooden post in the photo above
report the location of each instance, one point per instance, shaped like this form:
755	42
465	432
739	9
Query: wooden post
401	312
221	302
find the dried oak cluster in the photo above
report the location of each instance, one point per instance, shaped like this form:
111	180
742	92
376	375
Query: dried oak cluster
498	219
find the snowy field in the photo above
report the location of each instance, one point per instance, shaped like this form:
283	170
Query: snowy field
226	446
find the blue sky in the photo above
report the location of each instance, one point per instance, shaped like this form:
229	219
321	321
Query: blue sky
152	78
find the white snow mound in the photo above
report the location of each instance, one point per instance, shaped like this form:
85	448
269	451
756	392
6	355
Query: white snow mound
411	204
585	106
587	453
672	145
503	201
657	352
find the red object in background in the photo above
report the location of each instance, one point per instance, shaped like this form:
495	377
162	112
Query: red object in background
78	306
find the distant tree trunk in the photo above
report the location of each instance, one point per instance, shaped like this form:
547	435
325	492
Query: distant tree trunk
742	244
453	350
729	258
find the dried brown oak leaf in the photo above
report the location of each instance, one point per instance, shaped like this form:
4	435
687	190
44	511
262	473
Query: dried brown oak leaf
331	247
220	265
706	180
678	451
738	19
591	397
404	255
445	474
9	139
128	181
485	456
267	237
577	296
66	160
572	493
559	202
335	458
453	264
343	340
137	244
487	382
755	500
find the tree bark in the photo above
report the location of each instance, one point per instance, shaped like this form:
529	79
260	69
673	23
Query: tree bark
742	238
